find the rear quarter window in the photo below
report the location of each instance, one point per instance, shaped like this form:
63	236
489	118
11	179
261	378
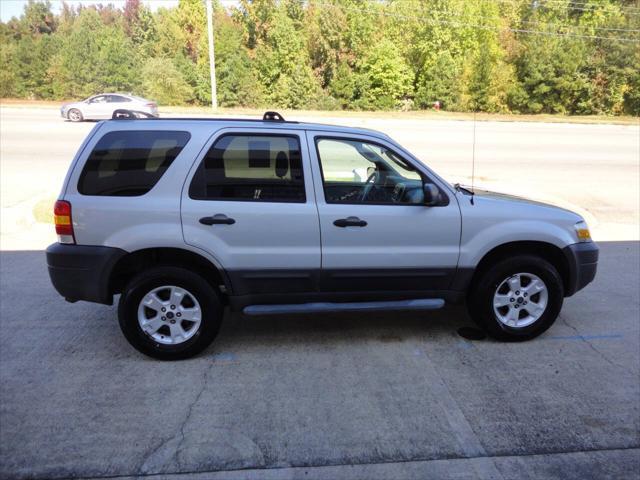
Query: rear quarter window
129	163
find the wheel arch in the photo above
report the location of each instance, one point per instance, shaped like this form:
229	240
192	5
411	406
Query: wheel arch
548	251
136	261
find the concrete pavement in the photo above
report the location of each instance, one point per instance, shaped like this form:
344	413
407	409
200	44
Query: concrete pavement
386	396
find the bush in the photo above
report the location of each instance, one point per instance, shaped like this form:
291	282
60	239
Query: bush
162	82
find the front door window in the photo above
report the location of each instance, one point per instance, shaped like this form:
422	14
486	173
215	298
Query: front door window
355	171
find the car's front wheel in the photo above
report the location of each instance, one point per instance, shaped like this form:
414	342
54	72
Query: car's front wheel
169	313
75	115
518	298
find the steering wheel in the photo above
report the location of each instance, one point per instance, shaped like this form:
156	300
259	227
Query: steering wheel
369	184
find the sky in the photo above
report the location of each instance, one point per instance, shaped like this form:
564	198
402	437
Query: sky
13	8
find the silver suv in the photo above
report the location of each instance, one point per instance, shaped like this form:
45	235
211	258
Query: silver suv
183	216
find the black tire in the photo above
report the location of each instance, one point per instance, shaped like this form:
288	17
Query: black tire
480	303
210	306
75	115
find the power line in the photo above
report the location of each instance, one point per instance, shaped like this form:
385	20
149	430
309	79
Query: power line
454	24
571	4
543	24
583	7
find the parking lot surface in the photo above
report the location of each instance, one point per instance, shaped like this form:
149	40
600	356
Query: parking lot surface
394	395
343	396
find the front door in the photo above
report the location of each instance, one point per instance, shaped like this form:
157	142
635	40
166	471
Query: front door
377	233
98	107
249	203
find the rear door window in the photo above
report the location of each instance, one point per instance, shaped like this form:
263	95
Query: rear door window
129	163
118	99
258	168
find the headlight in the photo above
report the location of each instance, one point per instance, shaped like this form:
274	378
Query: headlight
582	231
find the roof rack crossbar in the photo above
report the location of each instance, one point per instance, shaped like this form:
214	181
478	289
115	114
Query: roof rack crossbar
125	114
272	117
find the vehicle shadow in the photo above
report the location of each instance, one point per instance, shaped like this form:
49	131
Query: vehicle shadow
385	327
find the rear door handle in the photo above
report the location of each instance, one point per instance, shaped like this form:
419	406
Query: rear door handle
350	222
217	219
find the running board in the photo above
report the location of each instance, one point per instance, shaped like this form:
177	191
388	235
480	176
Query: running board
326	307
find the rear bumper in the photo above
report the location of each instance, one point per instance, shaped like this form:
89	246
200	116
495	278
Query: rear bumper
81	272
582	259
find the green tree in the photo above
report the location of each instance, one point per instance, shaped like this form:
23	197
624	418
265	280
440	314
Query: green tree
283	65
237	83
30	64
8	78
93	58
161	81
38	18
524	56
387	77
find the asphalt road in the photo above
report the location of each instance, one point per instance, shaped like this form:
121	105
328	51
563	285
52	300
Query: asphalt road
347	396
592	169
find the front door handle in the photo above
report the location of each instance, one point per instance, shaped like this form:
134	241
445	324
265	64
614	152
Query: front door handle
217	219
350	222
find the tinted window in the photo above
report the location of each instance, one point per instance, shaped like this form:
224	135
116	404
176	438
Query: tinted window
355	171
118	99
130	163
264	168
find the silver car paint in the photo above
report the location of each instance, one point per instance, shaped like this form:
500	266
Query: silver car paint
154	219
397	236
107	109
266	235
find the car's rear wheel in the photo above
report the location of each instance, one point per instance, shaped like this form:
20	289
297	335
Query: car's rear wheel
75	115
518	298
169	313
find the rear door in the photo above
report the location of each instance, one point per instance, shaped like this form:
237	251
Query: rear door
377	234
118	101
249	203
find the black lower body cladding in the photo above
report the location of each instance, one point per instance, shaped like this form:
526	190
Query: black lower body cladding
80	272
582	260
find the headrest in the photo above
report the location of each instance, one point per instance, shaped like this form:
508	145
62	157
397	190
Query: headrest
282	164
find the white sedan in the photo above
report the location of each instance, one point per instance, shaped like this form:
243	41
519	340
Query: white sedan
100	107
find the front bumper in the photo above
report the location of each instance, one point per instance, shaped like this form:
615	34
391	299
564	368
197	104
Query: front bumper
81	272
582	260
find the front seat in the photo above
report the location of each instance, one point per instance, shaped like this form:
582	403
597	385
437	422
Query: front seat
282	165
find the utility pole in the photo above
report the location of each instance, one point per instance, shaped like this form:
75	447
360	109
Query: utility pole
212	56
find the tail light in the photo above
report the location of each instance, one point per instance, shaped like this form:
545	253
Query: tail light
152	105
62	219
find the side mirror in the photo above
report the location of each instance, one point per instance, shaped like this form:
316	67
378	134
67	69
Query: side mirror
431	194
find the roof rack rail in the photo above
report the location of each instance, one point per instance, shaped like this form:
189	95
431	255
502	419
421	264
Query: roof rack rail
272	117
124	114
